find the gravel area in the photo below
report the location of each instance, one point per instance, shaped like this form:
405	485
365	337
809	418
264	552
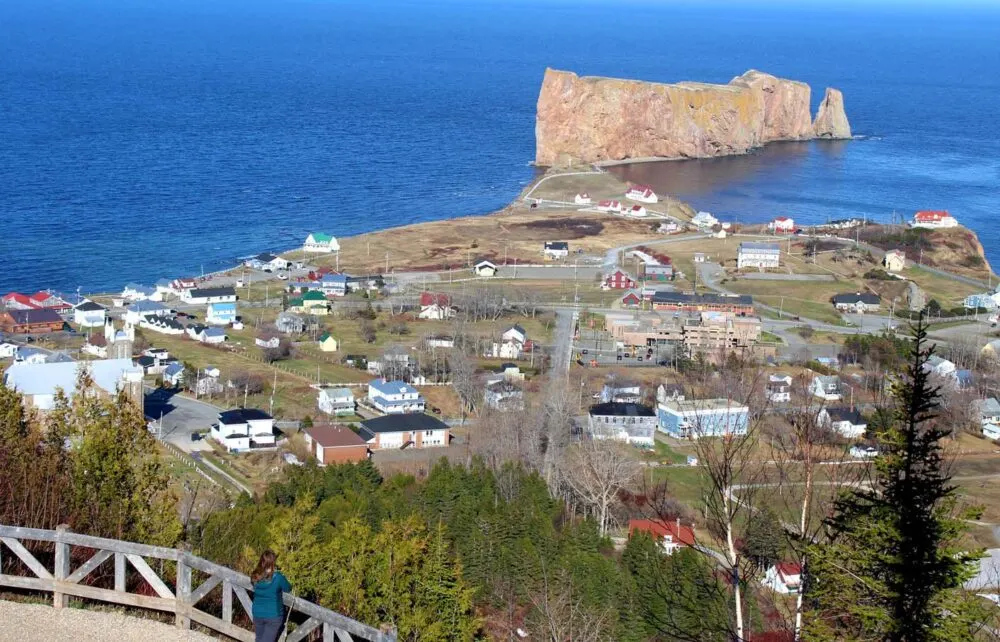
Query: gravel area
25	622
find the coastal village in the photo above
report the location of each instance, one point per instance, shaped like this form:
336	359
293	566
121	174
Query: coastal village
670	328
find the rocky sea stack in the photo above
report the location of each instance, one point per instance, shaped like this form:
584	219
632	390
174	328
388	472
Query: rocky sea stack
590	119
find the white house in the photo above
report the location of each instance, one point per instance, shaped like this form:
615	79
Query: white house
204	296
174	374
439	341
784	578
29	354
506	349
7	350
932	219
642	194
136	292
484	268
704	219
556	249
989	417
827	388
779	388
610	206
782	225
220	313
143	309
621	391
637	211
940	366
270	342
162	324
241	429
502	394
394	397
319	243
336	401
289	323
267	262
333	285
758	255
90	315
846	422
859	302
894	260
212	335
582	199
515	333
435	306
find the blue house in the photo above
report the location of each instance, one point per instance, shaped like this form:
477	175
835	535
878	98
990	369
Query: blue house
221	313
333	285
694	418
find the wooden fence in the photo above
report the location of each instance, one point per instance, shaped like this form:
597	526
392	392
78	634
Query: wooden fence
134	561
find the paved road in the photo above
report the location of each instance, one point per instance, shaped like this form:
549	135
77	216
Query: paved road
181	416
562	343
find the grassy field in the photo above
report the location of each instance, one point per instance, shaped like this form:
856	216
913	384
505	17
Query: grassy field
809	299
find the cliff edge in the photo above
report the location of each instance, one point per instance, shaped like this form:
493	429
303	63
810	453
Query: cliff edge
590	119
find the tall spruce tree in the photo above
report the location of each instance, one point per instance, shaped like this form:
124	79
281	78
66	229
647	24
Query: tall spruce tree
892	568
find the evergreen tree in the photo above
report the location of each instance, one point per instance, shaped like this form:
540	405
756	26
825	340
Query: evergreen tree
678	596
764	538
892	568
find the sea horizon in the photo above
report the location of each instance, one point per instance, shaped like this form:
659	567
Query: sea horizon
146	141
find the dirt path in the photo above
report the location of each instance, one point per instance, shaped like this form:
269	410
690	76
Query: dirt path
29	622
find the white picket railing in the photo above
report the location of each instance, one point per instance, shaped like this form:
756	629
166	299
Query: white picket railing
129	558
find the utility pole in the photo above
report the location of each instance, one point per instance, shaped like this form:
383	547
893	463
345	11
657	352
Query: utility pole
270	408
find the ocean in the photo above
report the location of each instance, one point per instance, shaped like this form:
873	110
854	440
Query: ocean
142	139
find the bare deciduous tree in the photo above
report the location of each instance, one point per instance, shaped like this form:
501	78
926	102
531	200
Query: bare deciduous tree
598	470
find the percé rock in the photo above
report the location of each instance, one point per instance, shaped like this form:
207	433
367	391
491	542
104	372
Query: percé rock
831	119
590	119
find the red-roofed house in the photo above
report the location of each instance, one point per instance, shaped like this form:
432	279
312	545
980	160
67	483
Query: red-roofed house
641	193
783	577
610	206
637	211
671	535
18	301
934	219
618	280
435	306
47	300
782	225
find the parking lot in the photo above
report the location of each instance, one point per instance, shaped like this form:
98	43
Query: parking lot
598	348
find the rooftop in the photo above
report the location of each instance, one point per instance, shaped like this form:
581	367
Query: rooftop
45	378
401	423
759	247
242	415
614	409
703	405
334	436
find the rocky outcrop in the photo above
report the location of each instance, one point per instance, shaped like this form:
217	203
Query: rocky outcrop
589	119
831	119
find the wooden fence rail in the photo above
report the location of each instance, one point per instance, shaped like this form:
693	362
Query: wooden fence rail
182	600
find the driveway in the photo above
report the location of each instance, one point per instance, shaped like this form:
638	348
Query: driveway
181	416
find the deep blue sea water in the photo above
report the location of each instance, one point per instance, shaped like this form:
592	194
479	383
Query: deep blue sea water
142	139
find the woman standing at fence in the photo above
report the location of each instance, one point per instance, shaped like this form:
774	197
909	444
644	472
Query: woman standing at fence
268	586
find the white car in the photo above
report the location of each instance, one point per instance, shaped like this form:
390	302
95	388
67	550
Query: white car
282	277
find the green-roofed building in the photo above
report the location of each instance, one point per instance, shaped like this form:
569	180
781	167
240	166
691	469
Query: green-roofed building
320	243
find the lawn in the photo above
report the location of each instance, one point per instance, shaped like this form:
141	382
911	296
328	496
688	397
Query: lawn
685	483
809	299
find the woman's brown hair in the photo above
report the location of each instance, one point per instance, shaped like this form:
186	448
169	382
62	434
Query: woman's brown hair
265	567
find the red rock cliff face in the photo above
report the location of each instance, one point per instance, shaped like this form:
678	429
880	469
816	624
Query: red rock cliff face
596	119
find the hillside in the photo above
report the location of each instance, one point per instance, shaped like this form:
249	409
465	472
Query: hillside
956	250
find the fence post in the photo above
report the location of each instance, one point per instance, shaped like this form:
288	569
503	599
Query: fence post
60	599
182	620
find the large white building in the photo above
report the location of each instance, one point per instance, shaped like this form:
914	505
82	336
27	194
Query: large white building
641	193
758	255
39	382
320	243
